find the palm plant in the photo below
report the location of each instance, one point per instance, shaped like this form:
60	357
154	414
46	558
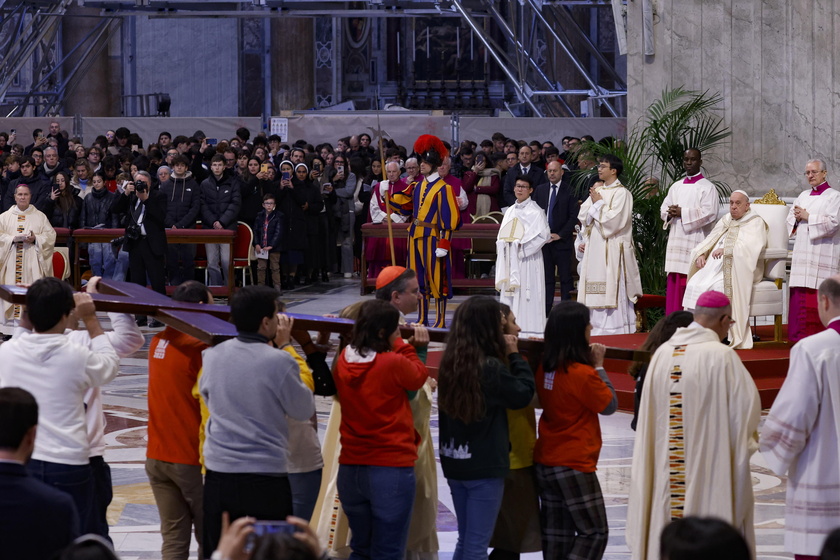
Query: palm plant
652	154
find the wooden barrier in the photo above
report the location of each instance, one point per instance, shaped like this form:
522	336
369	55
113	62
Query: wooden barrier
468	231
190	236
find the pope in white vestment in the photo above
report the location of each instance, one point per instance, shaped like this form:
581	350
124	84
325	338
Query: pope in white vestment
520	276
801	436
696	432
727	261
609	274
27	241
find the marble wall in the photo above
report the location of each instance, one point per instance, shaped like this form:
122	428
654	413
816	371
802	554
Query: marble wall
775	62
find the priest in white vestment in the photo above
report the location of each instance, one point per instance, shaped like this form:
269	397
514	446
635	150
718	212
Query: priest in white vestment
815	221
609	274
696	431
27	241
801	436
688	212
520	275
727	261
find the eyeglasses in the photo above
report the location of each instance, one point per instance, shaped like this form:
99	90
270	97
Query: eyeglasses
807	173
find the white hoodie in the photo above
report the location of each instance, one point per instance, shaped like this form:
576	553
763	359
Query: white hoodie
58	373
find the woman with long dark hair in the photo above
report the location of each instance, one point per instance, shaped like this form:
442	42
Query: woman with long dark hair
376	480
481	375
573	389
65	206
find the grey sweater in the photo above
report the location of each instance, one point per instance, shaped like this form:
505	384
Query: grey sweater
249	389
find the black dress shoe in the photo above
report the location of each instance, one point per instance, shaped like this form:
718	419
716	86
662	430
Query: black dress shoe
142	321
155	324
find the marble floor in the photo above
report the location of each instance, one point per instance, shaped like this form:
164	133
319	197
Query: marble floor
133	515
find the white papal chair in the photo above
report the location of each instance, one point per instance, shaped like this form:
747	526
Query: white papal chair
767	295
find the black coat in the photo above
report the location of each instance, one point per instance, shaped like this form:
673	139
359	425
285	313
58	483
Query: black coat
273	232
96	209
153	221
39	186
291	202
183	201
72	218
220	200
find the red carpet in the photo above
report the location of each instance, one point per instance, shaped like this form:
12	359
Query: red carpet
767	364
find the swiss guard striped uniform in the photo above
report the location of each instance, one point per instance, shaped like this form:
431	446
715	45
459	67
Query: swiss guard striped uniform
436	216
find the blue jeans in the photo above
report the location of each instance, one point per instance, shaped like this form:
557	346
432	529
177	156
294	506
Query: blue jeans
75	480
377	502
305	488
477	504
102	259
121	266
218	261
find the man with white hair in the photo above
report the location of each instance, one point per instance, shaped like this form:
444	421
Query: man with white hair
727	261
412	171
377	249
815	221
52	163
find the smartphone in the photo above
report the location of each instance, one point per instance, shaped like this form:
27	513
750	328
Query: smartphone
316	166
285	175
479	158
212	141
268	527
326	188
14	131
340	169
134	147
40	135
264	168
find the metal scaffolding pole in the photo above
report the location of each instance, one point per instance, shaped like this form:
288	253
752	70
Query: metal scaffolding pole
503	25
575	62
480	34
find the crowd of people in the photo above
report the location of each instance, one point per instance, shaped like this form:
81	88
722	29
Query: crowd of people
321	194
517	485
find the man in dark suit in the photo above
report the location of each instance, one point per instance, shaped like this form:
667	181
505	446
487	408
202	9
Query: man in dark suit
146	208
36	520
561	208
524	167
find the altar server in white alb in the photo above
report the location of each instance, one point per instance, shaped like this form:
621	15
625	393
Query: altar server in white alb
727	261
609	274
697	426
688	212
519	263
815	220
801	436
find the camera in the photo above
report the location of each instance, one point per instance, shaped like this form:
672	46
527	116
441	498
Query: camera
140	186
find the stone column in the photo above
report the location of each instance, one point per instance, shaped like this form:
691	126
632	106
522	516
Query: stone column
97	93
292	64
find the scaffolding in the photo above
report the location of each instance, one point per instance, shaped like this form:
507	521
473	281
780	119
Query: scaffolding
30	38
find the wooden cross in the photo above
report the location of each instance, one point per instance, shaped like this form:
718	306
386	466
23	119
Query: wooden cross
209	322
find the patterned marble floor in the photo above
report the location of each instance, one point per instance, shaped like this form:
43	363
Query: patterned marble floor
133	515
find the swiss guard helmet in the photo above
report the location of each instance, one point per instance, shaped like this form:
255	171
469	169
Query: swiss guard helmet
430	149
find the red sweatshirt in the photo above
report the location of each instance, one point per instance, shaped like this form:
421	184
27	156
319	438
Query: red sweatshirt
377	427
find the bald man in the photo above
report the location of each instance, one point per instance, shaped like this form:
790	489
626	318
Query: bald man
727	261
